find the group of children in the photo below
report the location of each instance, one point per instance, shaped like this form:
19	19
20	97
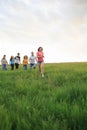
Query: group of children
32	60
15	61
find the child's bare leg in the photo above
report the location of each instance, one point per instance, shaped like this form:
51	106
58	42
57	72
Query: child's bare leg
42	69
39	67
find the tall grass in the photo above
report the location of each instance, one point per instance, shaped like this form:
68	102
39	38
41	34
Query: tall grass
56	102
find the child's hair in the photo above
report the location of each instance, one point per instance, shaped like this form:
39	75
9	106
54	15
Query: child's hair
25	57
4	56
40	48
18	53
11	57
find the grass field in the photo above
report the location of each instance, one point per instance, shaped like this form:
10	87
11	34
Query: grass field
56	102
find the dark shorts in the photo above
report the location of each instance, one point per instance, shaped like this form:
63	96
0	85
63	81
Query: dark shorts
39	62
16	65
32	65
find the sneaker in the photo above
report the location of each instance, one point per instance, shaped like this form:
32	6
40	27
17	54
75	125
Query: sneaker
42	75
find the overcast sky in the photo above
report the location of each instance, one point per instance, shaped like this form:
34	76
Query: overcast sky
59	26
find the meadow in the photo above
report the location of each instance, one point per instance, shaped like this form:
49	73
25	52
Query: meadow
56	102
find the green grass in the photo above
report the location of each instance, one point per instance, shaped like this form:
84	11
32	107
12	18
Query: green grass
56	102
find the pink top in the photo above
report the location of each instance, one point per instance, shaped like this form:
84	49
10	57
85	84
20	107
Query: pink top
40	56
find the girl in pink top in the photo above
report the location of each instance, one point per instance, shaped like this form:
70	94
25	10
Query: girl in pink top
40	60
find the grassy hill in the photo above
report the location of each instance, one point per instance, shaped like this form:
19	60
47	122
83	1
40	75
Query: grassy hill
56	102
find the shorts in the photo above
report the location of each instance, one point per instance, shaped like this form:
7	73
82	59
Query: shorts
39	62
32	65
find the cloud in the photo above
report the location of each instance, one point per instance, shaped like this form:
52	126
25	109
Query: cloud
30	16
58	23
80	2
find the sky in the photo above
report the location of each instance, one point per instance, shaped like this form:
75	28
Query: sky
59	26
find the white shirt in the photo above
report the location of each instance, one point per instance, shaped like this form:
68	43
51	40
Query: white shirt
32	59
